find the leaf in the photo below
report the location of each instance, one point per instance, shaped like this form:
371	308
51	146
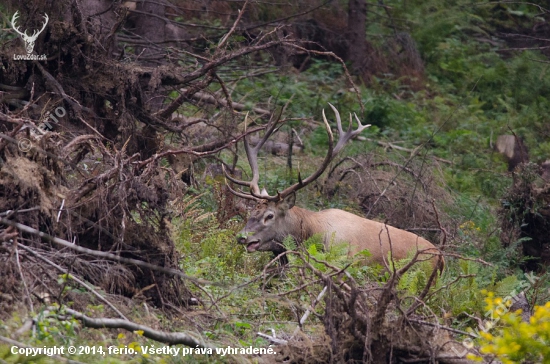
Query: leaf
289	243
243	325
364	253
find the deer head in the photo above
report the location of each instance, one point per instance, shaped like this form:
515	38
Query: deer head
28	39
268	223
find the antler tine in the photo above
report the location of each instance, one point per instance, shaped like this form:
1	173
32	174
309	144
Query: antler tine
47	18
13	21
343	138
338	120
252	156
237	193
234	180
255	173
302	183
36	33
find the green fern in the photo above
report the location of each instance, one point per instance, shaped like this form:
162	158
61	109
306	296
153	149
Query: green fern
416	278
289	243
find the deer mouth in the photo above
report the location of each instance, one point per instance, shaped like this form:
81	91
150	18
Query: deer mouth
253	246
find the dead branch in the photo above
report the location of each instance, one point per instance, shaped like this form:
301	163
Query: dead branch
203	96
225	38
411	151
202	150
101	254
73	277
273	338
432	278
439	326
170	338
477	260
28	296
57	87
404	168
308	311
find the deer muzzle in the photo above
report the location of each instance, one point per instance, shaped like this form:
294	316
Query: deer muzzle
251	243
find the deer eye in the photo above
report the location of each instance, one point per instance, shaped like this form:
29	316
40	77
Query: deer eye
268	217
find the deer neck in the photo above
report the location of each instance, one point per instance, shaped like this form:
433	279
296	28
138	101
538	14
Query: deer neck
298	222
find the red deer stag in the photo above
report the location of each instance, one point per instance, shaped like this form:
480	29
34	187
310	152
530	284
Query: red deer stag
275	217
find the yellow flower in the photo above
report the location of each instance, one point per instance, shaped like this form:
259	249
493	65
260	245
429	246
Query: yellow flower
474	357
486	335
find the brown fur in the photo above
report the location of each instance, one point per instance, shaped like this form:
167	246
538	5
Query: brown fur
262	233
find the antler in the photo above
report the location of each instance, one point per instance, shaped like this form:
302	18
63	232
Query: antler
26	37
252	155
36	33
343	138
13	20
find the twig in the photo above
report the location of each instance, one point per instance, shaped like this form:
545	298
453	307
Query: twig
468	258
443	327
11	212
60	210
272	338
23	277
342	63
397	147
93	129
404	168
106	255
203	96
440	265
308	311
76	279
222	42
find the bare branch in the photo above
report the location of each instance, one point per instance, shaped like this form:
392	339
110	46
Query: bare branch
68	244
171	338
76	279
222	42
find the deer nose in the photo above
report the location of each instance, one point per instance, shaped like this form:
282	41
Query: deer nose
241	240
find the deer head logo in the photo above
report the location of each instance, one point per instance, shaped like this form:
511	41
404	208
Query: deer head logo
28	39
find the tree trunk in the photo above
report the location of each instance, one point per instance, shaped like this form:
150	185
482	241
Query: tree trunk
357	42
150	26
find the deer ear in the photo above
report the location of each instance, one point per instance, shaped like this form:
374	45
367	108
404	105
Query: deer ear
288	202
